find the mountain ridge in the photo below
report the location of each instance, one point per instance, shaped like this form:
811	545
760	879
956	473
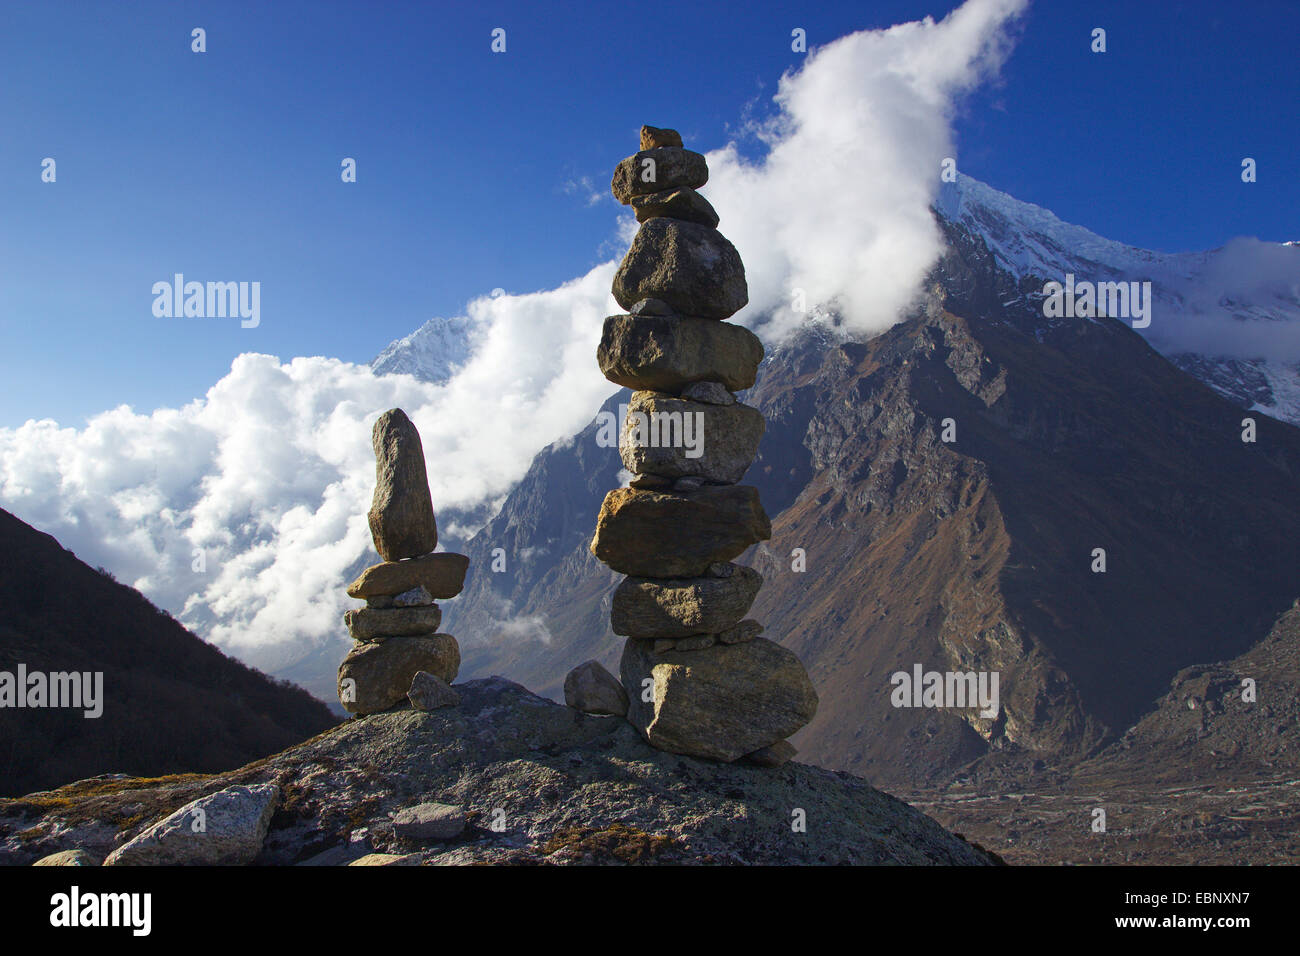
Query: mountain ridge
59	615
1068	434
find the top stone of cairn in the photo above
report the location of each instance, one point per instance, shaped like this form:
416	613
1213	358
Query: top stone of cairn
401	515
652	137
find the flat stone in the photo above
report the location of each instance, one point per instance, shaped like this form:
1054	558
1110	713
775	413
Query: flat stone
377	676
592	689
691	267
401	514
772	755
431	692
696	642
710	392
662	354
654	482
387	859
652	307
342	855
746	630
371	623
684	204
656	170
723	438
719	703
682	607
418	596
441	575
69	858
656	535
689	484
429	821
225	828
652	137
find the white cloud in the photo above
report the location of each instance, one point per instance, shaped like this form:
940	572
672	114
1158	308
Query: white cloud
270	473
840	205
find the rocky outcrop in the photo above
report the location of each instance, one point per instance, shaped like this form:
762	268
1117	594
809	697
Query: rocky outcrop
537	782
687	441
396	632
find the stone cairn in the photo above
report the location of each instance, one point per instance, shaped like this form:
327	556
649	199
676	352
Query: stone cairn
698	678
399	655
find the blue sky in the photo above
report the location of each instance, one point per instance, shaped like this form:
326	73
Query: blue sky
225	165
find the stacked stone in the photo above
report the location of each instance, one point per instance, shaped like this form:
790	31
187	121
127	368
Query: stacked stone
399	654
698	677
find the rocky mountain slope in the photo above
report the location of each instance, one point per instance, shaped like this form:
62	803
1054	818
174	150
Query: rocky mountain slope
1209	776
170	701
975	554
516	779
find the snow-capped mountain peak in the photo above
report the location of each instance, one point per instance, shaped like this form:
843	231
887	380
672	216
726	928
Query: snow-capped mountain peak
1229	316
431	353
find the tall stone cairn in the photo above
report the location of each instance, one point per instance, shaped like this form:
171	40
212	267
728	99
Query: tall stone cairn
396	633
698	677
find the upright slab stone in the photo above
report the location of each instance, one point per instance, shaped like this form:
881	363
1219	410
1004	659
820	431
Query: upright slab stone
401	515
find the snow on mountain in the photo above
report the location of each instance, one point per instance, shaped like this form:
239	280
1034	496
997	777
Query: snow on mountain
1229	316
431	353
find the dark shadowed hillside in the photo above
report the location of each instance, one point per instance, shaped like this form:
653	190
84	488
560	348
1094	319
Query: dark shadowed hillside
170	701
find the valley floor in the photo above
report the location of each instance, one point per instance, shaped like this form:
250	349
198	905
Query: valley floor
1241	822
